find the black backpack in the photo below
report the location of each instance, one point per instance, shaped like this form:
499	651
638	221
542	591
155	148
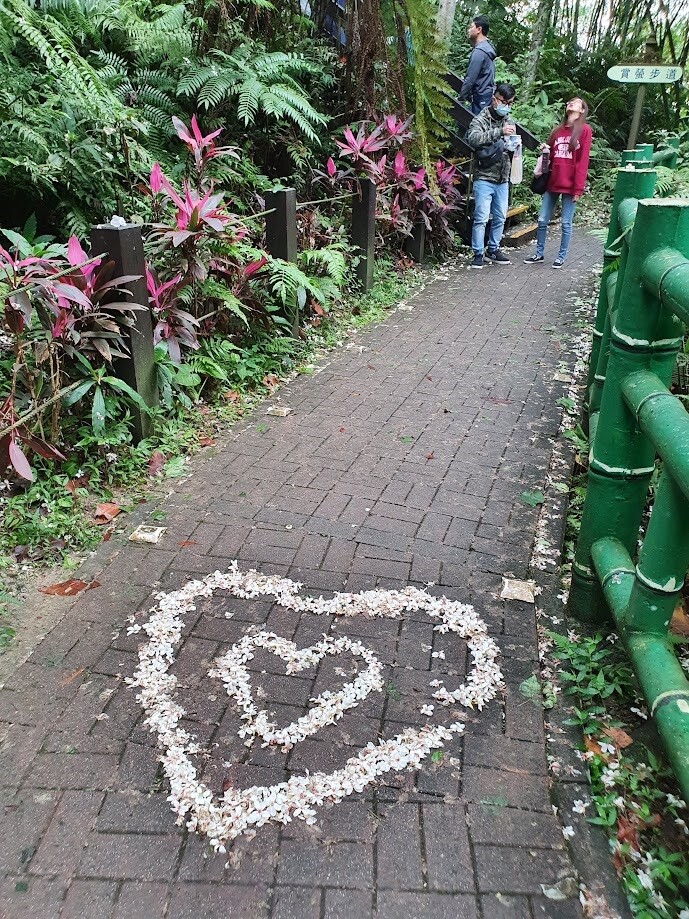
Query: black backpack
491	154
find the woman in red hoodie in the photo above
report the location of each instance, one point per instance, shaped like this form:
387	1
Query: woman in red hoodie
568	145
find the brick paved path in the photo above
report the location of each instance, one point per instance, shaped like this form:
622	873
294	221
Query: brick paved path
401	462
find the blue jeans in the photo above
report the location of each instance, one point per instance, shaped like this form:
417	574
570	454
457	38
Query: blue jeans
478	103
547	207
490	200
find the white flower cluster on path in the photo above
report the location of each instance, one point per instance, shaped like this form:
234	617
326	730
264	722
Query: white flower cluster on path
239	811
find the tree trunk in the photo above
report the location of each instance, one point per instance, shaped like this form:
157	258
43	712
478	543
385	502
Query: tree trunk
537	39
445	19
574	34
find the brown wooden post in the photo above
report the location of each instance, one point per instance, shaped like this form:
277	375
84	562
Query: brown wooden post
415	245
364	231
124	247
281	224
281	234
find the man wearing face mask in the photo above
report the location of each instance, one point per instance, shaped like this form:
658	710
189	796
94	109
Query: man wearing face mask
492	137
480	76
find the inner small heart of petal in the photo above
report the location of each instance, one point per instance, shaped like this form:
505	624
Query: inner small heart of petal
328	707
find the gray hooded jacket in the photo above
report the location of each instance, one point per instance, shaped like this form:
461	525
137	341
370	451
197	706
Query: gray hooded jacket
480	75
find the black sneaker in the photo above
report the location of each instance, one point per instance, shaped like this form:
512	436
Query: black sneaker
558	263
477	262
533	260
498	258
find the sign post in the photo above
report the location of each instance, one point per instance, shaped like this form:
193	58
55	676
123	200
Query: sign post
643	74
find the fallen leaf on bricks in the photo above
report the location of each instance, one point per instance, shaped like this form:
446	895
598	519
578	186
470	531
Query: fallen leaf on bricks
65	588
280	411
70	678
532	498
156	462
563	890
105	513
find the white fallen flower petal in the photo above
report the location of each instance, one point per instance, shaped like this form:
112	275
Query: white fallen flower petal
238	811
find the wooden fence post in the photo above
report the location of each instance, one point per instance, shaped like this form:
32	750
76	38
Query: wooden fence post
124	247
364	231
281	233
415	245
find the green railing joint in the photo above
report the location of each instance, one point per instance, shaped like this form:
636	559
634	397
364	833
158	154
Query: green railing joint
665	275
615	570
664	421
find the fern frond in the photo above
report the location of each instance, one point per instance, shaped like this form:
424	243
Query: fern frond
428	67
666	183
330	261
49	41
230	302
285	279
250	92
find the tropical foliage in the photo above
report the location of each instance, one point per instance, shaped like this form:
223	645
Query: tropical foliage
179	116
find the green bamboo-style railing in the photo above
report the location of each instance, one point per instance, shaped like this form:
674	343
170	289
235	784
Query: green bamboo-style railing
643	311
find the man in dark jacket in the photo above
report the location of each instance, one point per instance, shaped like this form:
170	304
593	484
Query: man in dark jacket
480	76
489	135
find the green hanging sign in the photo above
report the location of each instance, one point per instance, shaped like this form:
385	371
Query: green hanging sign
645	73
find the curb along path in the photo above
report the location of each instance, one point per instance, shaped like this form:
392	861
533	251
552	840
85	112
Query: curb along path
401	463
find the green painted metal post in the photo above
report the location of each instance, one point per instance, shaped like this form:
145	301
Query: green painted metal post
643	336
630	183
638	158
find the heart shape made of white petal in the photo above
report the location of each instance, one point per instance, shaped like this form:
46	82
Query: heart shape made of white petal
328	708
239	811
